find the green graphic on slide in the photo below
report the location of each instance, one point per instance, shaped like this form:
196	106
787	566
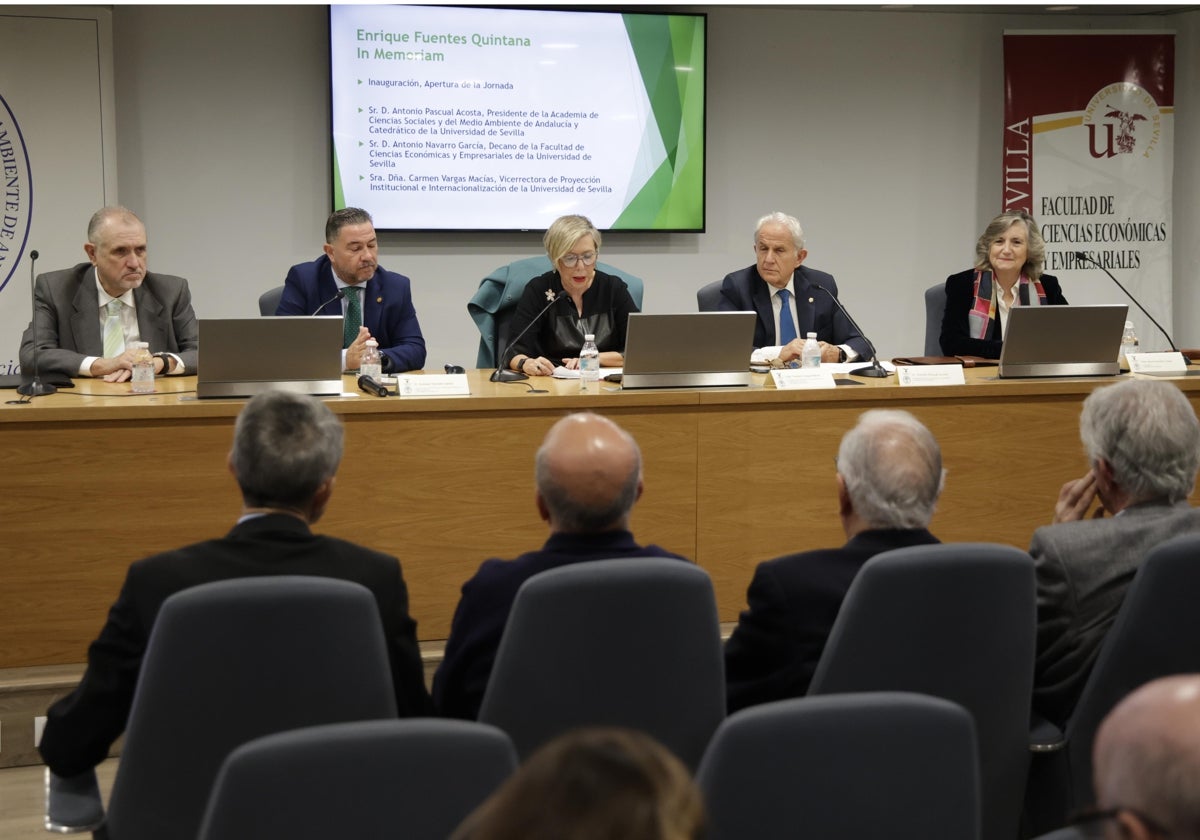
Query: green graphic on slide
673	196
339	194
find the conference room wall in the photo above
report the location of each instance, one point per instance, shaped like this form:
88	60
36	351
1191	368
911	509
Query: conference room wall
880	130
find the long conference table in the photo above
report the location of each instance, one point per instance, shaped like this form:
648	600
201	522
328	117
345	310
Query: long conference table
95	478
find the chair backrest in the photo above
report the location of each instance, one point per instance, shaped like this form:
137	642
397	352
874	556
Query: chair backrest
885	764
955	621
631	642
268	301
935	307
1156	634
493	305
231	661
708	296
416	779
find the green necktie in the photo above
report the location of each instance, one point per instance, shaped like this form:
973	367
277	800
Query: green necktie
114	335
353	316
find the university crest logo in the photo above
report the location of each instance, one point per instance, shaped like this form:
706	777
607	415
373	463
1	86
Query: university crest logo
1122	119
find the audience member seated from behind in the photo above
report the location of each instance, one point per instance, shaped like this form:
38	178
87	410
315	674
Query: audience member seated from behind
377	304
286	450
1143	446
593	784
889	477
783	292
1146	762
1008	272
86	318
589	476
596	303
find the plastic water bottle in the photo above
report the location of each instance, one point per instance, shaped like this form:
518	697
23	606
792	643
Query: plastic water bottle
1129	342
142	381
371	364
810	356
589	366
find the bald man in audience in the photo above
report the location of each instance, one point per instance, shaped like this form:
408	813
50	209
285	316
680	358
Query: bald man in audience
1146	762
889	477
588	478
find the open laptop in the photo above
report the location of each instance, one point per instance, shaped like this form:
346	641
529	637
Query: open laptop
691	350
1063	341
241	357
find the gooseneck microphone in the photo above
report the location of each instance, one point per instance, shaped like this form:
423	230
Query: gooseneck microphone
341	294
35	388
503	374
1086	257
876	370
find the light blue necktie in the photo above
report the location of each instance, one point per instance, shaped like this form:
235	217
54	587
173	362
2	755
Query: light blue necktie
787	327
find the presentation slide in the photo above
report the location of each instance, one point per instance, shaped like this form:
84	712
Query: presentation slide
505	119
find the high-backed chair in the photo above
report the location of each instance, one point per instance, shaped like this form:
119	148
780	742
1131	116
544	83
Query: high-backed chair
955	621
268	301
1156	634
885	764
495	301
708	296
416	779
228	662
630	642
935	307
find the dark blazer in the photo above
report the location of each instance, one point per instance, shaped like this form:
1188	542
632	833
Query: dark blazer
559	334
793	601
746	291
82	726
1083	570
66	313
956	337
487	599
388	310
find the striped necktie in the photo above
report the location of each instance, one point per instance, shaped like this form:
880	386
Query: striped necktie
787	327
114	334
353	315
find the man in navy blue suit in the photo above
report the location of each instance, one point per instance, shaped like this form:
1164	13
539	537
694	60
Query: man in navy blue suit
784	293
377	303
889	477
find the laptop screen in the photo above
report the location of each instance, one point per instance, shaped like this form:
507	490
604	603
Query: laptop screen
241	357
1063	340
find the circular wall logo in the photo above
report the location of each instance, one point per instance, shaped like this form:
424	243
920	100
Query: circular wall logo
1122	119
16	193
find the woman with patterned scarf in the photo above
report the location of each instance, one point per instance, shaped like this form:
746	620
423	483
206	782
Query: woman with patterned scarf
1007	273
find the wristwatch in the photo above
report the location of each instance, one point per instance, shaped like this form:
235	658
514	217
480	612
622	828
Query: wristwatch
841	354
166	360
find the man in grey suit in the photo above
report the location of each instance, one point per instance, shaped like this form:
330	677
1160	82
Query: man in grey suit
85	318
1143	442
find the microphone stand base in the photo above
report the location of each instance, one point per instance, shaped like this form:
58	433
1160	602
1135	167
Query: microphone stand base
36	388
876	371
502	375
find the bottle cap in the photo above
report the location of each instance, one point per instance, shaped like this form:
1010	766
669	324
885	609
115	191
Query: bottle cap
812	335
1129	325
372	342
589	337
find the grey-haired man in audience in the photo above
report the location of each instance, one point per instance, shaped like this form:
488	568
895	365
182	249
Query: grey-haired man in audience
1143	446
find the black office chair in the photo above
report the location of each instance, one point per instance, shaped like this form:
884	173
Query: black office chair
416	779
268	301
631	642
955	621
1156	634
885	764
708	297
230	661
935	308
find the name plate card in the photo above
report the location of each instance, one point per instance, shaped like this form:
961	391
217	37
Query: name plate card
1157	363
434	385
791	379
930	374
